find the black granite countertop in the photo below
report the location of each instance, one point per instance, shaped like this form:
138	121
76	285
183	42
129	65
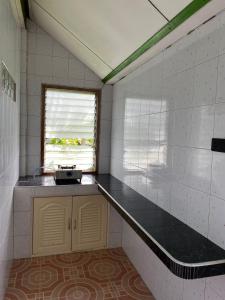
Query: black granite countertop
49	181
184	251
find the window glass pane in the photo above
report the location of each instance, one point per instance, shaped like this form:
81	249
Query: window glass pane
70	129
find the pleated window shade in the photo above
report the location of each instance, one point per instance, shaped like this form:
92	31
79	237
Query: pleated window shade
70	129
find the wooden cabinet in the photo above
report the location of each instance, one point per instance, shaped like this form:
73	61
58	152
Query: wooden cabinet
52	225
65	224
89	223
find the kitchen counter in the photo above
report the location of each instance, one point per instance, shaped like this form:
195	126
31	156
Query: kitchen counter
30	181
185	252
28	188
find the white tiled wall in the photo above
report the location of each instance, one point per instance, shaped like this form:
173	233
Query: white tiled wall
164	117
48	62
9	138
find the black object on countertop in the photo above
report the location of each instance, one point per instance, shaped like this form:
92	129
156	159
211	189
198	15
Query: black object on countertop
183	250
218	145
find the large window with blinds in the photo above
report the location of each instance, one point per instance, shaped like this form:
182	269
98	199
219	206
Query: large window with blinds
69	128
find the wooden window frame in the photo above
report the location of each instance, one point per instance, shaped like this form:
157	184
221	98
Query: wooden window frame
97	93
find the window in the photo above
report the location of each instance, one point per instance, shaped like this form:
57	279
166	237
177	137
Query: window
69	128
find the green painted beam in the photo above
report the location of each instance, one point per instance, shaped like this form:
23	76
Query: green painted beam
25	10
186	13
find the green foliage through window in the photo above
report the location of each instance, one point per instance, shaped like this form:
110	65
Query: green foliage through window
71	141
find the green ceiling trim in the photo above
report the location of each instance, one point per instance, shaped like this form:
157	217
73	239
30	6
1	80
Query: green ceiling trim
25	10
186	13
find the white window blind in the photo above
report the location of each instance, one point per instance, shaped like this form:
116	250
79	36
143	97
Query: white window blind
70	129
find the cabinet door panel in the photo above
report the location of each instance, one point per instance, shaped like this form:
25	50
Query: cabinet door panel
89	222
52	225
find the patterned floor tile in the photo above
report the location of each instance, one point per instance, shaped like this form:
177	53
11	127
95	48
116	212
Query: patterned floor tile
94	275
131	285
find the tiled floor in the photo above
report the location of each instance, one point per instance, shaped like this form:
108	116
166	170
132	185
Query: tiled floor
96	275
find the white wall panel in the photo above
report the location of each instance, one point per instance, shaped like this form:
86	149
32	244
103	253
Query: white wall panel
9	138
181	174
50	63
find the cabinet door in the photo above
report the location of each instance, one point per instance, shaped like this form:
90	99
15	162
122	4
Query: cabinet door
52	225
89	222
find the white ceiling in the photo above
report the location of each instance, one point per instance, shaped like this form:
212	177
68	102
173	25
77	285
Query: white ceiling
103	33
170	8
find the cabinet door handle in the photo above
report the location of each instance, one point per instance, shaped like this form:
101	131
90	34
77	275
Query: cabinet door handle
69	224
74	224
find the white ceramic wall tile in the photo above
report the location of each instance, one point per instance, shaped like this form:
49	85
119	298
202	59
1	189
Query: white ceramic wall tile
44	65
31	64
9	136
104	164
179	202
167	128
32	163
181	172
23	106
106	110
114	240
222	38
33	145
217	284
60	67
219	127
164	189
205	83
50	63
23	40
184	85
198	169
198	211
107	93
32	42
34	105
44	44
59	51
179	163
23	223
34	126
104	148
182	125
211	294
201	127
33	85
221	79
23	57
216	221
23	199
175	288
218	165
91	84
23	124
22	246
89	75
207	45
194	289
76	69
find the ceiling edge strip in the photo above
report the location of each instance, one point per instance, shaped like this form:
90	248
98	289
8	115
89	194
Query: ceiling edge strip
186	13
25	10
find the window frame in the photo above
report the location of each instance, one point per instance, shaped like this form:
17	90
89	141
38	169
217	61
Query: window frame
97	93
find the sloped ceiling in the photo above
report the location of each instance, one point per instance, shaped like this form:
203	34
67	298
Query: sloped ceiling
103	33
